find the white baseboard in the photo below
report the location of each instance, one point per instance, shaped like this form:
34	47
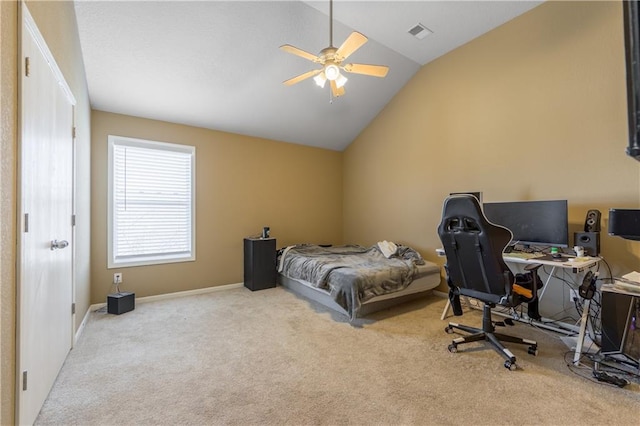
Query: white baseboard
188	293
147	299
440	293
81	327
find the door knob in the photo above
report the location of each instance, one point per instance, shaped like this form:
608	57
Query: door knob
55	244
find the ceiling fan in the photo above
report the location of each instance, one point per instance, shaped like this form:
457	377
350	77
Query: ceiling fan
331	59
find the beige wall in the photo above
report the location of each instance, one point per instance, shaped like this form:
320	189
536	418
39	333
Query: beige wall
242	184
535	109
57	22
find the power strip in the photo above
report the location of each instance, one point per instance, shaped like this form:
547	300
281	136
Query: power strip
610	378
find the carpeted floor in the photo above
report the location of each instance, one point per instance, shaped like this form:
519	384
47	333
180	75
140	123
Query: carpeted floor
270	357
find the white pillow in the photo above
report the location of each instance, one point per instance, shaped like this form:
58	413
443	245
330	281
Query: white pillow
387	248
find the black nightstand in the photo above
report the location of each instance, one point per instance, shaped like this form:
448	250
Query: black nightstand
259	263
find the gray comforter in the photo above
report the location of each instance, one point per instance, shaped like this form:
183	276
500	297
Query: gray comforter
351	274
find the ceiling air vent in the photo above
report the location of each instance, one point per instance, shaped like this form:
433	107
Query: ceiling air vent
419	31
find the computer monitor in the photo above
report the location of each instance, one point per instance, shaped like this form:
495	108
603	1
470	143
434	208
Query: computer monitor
631	13
533	223
625	223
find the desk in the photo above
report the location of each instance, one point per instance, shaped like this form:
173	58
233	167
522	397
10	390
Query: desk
575	265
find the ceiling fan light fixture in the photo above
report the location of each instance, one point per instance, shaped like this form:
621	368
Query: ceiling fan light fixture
320	79
332	72
341	80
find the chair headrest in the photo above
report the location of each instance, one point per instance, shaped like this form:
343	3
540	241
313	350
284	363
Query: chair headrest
464	206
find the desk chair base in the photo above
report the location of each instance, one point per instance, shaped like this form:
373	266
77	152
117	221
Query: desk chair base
488	334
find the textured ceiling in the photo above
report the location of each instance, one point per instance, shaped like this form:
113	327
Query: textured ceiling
216	64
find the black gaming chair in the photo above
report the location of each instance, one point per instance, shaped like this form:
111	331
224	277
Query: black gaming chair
475	268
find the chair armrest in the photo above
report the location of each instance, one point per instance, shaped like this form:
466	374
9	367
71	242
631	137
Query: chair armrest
521	291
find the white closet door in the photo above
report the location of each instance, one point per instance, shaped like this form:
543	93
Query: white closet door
45	280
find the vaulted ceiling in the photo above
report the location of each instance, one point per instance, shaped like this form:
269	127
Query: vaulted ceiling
217	64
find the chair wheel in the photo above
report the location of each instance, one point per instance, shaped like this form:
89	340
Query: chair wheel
510	365
448	329
533	350
453	348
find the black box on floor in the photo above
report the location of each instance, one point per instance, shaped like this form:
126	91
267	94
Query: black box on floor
119	303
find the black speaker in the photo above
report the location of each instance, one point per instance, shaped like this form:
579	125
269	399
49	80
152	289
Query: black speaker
625	223
589	240
592	221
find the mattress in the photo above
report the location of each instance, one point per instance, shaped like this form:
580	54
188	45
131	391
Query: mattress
428	279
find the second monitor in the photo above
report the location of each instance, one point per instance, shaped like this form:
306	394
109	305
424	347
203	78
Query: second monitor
533	223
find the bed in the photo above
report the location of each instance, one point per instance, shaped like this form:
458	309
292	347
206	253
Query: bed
355	280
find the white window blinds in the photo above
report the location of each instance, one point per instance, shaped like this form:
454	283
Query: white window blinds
151	198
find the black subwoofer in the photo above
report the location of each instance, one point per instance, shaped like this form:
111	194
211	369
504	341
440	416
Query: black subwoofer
589	240
119	303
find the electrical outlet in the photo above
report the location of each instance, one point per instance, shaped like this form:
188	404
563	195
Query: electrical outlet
574	294
117	278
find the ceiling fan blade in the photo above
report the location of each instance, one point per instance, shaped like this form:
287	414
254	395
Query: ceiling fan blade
337	91
294	50
372	70
350	45
301	77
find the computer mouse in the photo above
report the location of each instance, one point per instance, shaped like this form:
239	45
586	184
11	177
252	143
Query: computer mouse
556	255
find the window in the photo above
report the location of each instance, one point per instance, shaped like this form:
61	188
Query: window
151	202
